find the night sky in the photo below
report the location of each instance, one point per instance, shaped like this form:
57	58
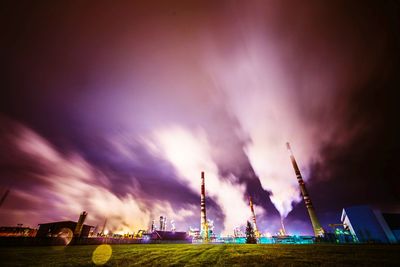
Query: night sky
116	107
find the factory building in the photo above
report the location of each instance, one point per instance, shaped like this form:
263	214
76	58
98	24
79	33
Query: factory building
54	228
286	239
18	230
78	229
166	235
162	234
393	221
371	226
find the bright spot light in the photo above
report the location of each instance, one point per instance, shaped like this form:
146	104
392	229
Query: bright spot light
66	234
101	254
106	232
268	235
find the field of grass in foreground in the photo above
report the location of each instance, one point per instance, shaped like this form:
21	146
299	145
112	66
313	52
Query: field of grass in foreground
204	255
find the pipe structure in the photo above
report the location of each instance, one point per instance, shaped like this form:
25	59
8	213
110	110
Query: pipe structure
79	225
253	215
104	227
283	227
203	221
161	223
3	198
318	230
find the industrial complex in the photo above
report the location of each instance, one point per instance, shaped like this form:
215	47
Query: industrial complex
359	224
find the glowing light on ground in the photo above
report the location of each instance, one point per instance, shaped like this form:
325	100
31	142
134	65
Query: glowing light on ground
66	234
102	254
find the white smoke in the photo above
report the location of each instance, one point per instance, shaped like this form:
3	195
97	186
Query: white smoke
73	185
190	153
260	95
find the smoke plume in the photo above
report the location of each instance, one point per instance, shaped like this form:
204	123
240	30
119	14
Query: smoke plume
117	110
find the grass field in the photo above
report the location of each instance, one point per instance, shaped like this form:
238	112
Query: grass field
204	255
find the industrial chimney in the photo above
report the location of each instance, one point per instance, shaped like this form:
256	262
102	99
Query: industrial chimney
318	231
253	215
79	225
161	223
203	222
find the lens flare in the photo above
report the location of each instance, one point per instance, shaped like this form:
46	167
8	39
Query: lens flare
102	254
66	234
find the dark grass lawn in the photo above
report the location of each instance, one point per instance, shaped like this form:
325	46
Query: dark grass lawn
206	255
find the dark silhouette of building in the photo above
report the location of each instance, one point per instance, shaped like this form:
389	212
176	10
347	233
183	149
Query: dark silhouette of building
167	235
17	231
393	221
53	229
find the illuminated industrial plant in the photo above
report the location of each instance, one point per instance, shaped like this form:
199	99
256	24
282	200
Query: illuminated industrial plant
381	225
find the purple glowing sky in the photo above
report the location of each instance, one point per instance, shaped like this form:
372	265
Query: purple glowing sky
116	109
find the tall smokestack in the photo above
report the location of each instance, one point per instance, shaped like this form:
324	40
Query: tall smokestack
203	222
253	215
79	225
318	231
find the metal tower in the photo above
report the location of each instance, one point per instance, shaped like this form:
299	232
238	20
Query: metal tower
318	231
203	222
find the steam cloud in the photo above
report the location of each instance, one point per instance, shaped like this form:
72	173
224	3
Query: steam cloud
123	128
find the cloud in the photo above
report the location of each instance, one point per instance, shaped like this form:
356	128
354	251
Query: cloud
72	185
259	96
190	153
238	78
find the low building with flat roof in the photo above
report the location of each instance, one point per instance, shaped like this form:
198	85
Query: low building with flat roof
17	231
53	229
371	226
